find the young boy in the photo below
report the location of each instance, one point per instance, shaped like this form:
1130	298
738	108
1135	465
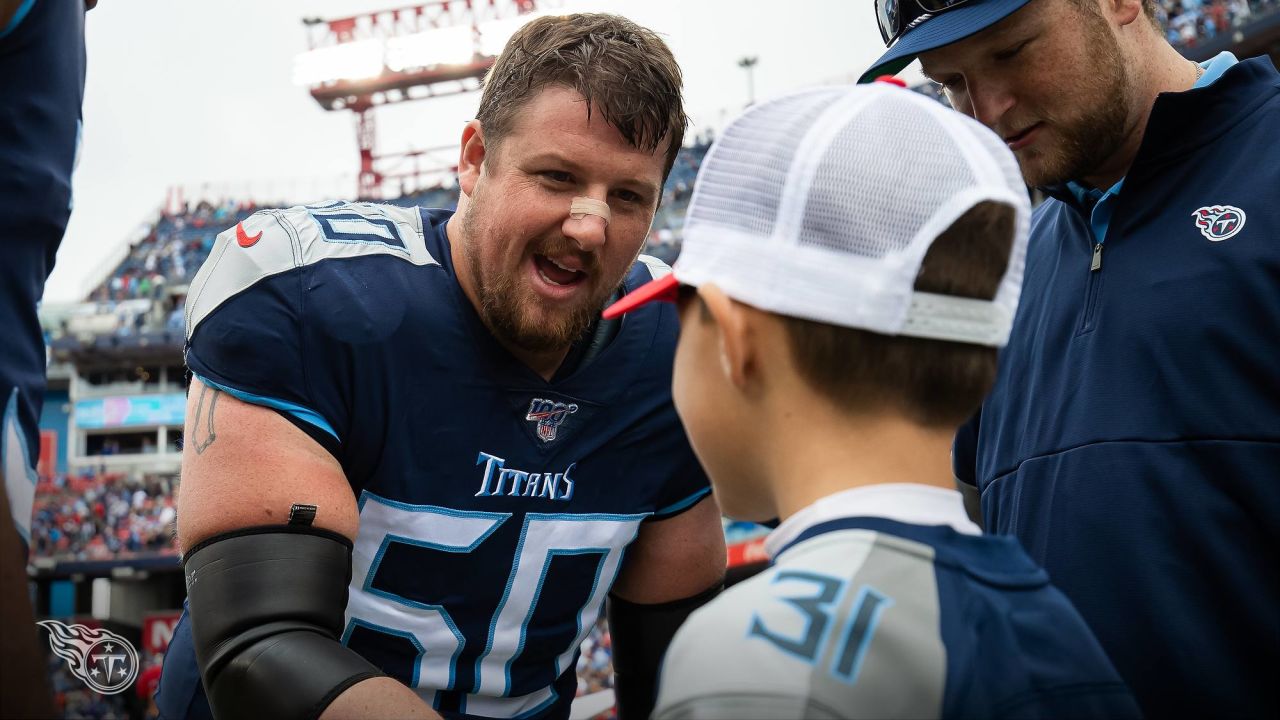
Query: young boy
852	259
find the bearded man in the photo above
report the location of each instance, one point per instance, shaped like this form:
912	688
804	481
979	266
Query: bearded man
414	456
1132	440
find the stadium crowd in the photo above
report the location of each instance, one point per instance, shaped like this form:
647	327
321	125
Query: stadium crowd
1190	22
595	666
73	699
172	251
102	517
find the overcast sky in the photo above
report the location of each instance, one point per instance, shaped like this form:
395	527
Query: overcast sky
200	95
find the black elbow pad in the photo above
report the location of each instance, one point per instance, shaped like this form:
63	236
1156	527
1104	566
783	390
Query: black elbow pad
641	634
267	610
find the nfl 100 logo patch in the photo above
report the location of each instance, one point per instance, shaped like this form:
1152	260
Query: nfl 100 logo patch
1219	222
549	415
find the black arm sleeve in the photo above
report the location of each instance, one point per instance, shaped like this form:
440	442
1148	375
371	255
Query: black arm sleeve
266	613
640	636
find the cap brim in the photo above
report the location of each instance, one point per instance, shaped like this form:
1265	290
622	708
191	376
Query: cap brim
662	289
940	30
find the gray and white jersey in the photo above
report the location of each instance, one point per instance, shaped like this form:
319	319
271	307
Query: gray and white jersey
811	638
887	602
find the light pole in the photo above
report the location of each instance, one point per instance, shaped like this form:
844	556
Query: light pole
749	64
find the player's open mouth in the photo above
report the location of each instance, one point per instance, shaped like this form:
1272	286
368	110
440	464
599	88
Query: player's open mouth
556	273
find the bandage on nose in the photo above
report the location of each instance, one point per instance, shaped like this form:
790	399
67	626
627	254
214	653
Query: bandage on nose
584	206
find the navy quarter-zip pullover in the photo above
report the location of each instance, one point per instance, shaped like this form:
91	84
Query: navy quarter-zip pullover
1132	440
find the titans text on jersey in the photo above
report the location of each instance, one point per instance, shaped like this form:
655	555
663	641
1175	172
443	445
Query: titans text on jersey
553	486
495	506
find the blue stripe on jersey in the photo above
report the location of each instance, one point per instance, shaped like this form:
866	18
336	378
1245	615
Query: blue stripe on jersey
17	18
676	507
21	498
408	636
305	414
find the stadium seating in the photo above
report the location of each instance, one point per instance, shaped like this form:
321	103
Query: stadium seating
171	253
73	699
1188	23
595	666
102	517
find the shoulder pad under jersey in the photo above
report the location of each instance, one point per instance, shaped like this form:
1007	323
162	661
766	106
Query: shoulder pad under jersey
656	267
271	242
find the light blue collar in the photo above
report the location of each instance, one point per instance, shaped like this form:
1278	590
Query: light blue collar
1214	68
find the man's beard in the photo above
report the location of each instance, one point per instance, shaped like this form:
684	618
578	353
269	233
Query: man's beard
1088	141
505	301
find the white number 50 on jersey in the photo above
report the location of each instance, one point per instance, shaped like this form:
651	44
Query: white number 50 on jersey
430	628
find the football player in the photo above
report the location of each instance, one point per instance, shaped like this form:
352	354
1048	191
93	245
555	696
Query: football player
42	69
416	463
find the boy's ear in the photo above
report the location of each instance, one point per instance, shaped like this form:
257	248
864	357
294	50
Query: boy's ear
471	157
733	331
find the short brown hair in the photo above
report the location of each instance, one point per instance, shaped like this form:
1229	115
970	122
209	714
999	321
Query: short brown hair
933	382
622	69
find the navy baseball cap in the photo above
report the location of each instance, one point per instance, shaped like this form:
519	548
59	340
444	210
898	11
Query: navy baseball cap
939	30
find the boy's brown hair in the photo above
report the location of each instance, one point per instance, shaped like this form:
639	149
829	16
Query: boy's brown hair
933	382
624	71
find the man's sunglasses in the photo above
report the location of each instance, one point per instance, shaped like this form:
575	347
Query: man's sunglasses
898	16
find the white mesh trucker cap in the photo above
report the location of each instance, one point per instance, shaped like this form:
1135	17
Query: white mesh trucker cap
821	205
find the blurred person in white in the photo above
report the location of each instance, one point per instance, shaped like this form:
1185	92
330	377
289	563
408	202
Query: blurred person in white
852	261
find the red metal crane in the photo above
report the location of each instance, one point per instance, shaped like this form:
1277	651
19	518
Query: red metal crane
408	53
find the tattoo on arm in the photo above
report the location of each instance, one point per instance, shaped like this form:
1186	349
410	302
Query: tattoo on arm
202	424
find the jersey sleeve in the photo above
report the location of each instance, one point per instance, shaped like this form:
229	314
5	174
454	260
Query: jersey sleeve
285	314
687	483
695	683
244	325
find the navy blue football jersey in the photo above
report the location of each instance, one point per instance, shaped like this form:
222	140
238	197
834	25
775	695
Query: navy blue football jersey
42	66
495	506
